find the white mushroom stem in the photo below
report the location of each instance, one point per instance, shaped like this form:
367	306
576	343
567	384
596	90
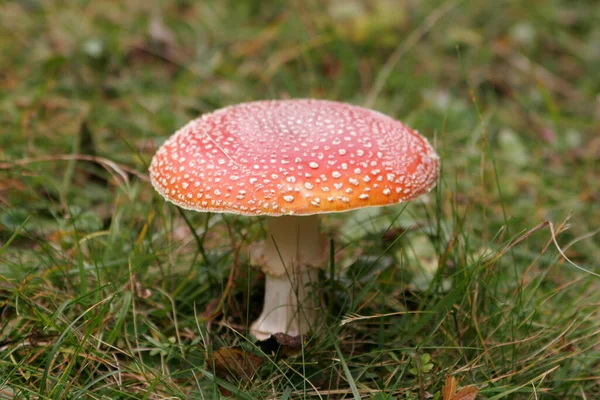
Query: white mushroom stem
290	258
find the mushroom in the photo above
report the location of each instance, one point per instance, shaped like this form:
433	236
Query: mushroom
291	160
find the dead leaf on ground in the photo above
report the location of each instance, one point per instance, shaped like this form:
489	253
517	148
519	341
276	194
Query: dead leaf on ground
236	366
211	311
449	390
283	345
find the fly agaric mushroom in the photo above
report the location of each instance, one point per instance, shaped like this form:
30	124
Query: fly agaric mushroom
291	160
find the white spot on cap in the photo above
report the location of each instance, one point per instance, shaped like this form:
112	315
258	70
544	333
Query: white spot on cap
288	198
313	165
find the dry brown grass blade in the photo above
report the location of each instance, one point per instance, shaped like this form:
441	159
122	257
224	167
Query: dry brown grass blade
355	317
112	167
524	65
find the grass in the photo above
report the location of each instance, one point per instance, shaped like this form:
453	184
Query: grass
108	292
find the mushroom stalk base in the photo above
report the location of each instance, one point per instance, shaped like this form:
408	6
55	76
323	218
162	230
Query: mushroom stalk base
289	305
290	258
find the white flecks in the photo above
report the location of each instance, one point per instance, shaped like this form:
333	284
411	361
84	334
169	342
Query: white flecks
345	199
217	192
338	186
308	185
342	151
313	165
363	196
386	191
367	178
288	198
336	174
290	179
316	202
185	185
252	180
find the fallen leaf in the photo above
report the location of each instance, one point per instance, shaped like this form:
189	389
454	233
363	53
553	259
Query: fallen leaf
236	366
466	393
283	345
211	311
449	390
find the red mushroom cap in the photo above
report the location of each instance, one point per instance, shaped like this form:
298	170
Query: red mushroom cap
298	157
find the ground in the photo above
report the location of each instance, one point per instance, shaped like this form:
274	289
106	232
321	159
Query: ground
108	292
